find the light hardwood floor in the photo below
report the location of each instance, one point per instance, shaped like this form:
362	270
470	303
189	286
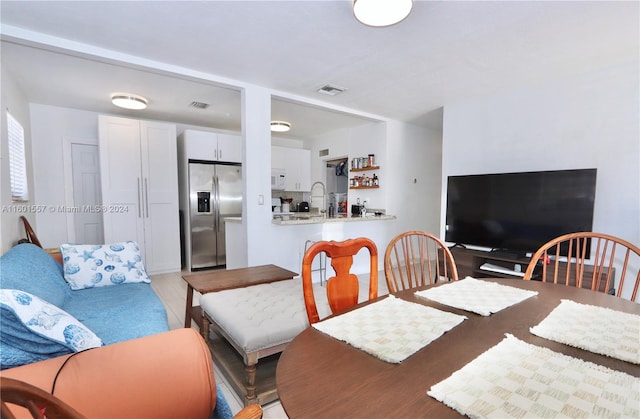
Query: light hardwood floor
172	290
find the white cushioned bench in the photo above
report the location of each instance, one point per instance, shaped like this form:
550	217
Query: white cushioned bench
259	321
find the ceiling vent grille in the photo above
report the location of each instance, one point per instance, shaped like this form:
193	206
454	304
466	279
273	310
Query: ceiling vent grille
198	105
330	89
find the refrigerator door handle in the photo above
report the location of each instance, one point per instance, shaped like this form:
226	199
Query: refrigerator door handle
216	207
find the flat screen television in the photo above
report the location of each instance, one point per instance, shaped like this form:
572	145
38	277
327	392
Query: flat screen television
518	212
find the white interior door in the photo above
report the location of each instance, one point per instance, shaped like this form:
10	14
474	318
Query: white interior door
86	193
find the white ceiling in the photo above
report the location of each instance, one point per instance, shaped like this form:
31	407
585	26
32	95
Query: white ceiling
444	52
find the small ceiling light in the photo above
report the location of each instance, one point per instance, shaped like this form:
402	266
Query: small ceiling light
380	13
129	101
280	126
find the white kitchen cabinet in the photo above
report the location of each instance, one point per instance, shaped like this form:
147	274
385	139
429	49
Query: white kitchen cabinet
229	148
139	176
297	164
212	146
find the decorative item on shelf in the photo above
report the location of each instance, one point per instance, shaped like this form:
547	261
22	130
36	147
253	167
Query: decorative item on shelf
364	181
363	162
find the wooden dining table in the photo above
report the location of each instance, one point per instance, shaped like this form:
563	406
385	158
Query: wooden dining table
321	377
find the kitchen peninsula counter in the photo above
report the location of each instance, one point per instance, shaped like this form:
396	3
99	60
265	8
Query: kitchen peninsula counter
298	219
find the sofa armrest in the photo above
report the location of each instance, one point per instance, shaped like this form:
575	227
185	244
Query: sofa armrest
165	375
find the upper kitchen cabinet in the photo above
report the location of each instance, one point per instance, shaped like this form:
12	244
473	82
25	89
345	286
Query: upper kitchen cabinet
139	175
212	146
297	164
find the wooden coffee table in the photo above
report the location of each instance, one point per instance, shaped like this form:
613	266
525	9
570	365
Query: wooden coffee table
222	279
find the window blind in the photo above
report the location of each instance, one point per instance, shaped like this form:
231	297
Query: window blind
17	160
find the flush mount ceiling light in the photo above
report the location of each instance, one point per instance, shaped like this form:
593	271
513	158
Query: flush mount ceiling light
280	126
129	101
380	13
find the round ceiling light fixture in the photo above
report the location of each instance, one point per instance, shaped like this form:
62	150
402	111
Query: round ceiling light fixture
380	13
280	126
128	101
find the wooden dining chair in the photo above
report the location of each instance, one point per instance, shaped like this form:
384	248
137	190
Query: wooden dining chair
417	258
31	235
612	261
38	402
42	404
343	288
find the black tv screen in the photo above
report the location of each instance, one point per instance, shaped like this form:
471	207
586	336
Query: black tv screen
519	212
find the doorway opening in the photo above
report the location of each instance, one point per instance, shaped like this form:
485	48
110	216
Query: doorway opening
337	180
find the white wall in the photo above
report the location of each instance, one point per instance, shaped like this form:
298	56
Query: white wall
50	126
414	172
591	120
11	229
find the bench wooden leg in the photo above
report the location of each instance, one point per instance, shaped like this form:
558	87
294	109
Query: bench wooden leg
204	331
250	384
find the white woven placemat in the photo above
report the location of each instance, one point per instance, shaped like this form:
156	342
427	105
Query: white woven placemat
391	329
596	329
515	379
482	297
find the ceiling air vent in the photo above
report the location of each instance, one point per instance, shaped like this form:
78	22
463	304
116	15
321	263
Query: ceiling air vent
330	89
198	105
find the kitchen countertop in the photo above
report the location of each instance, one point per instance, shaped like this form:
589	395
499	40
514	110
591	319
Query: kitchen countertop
233	220
320	219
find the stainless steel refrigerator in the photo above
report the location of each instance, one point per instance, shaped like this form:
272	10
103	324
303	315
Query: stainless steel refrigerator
215	192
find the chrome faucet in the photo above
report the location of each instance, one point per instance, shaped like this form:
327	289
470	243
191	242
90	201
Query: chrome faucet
323	196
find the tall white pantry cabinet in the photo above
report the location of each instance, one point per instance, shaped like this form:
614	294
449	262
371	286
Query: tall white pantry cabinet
139	175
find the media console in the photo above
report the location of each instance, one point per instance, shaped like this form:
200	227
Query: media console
470	262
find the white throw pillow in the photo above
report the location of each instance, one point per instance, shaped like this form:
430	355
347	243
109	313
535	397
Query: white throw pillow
40	318
88	266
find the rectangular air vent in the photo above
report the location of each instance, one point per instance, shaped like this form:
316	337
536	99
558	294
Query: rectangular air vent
330	89
198	105
324	152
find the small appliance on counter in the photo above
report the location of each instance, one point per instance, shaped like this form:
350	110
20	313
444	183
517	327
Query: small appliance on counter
276	206
358	210
303	206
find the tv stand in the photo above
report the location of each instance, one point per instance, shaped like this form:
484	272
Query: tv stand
470	261
505	265
508	254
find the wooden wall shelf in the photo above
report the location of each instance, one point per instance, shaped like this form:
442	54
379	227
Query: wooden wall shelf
365	169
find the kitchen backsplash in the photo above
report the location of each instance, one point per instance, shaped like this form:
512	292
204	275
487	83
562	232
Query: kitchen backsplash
294	196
